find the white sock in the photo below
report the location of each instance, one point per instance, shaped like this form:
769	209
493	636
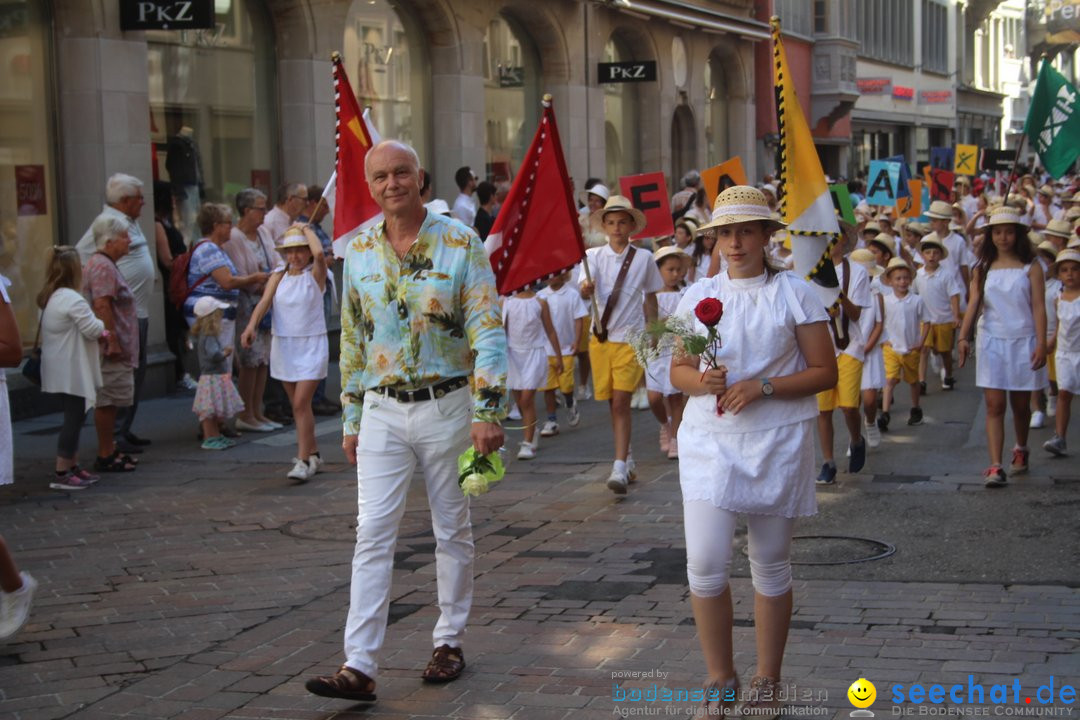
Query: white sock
619	466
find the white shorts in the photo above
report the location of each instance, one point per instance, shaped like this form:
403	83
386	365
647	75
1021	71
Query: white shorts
526	369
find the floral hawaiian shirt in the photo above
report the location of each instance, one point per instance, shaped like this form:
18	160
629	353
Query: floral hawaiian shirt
413	322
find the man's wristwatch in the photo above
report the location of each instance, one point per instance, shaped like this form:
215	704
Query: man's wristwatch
766	387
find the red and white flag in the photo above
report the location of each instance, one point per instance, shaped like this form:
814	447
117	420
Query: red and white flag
347	191
536	234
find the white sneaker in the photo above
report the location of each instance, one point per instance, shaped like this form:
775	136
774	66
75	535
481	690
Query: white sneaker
514	413
631	468
189	382
573	417
300	472
15	607
640	399
873	435
617	482
665	437
252	427
1051	406
673	449
549	429
315	464
1038	419
527	451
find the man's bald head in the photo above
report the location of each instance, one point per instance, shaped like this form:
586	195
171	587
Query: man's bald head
391	147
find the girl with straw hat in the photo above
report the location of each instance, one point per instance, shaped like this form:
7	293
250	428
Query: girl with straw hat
746	443
299	352
1066	343
1007	297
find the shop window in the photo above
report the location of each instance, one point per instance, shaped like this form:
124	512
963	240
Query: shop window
386	67
621	108
213	108
511	96
28	213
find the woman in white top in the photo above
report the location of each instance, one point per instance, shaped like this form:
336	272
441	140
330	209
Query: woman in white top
70	359
299	351
746	443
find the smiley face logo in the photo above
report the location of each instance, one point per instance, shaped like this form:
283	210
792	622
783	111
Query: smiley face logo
862	693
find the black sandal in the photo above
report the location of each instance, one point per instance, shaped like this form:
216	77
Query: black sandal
113	463
346	683
446	664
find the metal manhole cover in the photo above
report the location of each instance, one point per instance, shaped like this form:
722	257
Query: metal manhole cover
837	550
342	527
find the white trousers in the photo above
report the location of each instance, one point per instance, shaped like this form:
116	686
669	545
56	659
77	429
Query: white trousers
393	438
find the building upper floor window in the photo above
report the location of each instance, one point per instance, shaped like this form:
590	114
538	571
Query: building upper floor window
884	29
935	28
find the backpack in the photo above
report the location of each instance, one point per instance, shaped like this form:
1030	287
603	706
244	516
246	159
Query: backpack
179	290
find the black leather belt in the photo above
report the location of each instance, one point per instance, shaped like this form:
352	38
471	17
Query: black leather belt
437	390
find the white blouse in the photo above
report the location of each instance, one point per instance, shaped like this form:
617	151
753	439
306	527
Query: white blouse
70	356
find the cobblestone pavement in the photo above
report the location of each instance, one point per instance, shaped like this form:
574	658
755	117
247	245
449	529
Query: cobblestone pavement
204	586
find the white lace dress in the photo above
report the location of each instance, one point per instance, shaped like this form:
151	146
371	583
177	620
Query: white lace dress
1006	337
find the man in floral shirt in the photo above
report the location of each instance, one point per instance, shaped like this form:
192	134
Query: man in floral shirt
419	316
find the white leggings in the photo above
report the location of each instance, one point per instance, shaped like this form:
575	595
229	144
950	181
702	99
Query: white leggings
709	534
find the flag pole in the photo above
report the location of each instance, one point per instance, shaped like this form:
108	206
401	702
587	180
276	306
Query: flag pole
1020	145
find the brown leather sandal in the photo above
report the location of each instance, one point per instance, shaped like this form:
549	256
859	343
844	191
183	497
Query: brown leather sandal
346	683
447	663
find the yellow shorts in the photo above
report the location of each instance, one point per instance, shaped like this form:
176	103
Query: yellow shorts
561	381
903	366
848	392
941	337
614	367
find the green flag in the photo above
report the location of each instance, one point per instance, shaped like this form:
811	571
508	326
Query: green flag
1053	121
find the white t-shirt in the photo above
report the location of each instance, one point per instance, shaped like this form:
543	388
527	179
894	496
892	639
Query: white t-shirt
642	278
936	289
565	306
903	318
464	210
859	294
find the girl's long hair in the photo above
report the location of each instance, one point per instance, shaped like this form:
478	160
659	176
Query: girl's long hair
987	252
208	324
63	270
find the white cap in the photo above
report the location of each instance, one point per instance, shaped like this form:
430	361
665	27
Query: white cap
206	305
438	207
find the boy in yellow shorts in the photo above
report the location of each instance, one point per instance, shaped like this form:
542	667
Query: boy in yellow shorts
906	328
568	312
849	345
625	282
941	292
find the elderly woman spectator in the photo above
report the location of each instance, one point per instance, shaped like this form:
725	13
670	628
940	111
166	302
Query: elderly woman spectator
71	359
114	304
252	252
211	272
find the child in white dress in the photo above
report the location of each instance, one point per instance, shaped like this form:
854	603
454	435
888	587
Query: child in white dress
528	329
1065	344
1007	286
568	312
299	351
665	400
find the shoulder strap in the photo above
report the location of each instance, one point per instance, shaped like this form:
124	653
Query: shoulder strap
613	298
841	336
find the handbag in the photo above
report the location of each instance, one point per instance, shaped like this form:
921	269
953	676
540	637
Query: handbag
31	369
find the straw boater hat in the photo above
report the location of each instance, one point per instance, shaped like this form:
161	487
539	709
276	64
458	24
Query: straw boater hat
1058	228
896	264
1072	198
689	223
932	240
742	203
872	226
1073	244
293	237
918	228
885	242
618	203
1069	254
1046	247
1073	213
939	210
866	258
1046	190
668	252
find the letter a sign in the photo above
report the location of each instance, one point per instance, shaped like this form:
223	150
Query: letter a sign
884	183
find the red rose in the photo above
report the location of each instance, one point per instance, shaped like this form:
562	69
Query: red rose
709	311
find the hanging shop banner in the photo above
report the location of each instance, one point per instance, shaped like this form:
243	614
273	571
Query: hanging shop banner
720	177
648	193
874	85
622	72
166	14
1062	22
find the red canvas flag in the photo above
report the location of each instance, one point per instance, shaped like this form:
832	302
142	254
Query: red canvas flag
536	233
354	208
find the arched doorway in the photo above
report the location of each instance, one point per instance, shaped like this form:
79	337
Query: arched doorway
621	109
683	144
386	63
511	96
717	93
213	108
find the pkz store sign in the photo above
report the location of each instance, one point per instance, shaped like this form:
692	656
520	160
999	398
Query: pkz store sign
166	14
621	72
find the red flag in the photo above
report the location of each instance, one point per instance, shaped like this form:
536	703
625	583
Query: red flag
354	208
536	234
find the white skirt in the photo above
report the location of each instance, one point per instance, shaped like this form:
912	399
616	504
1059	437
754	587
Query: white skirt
293	359
526	369
658	376
765	472
873	369
1067	366
1005	364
